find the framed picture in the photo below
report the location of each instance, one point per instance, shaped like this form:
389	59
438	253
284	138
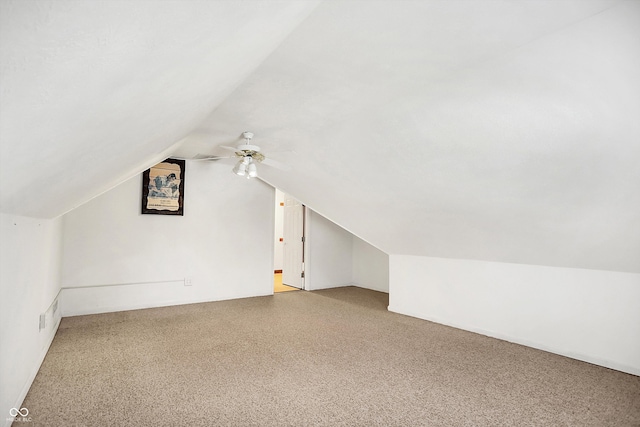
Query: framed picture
163	188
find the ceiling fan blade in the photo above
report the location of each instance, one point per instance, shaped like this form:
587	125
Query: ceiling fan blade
276	164
199	158
226	147
212	158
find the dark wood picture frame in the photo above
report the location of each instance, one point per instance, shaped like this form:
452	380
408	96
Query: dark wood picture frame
163	188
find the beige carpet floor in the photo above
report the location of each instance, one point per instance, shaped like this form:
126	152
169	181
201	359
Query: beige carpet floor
326	358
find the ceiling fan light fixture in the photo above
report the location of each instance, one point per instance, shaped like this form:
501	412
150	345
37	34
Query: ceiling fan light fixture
240	168
252	170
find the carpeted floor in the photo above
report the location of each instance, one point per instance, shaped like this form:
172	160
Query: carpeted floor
326	358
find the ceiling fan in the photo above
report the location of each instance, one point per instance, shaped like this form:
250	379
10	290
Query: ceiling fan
249	156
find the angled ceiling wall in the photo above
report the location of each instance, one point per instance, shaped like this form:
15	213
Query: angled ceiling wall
493	130
501	131
93	92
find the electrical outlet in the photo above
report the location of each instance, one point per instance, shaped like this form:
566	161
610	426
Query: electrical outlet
188	281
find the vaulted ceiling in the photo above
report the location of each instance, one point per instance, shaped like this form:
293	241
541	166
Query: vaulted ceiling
493	130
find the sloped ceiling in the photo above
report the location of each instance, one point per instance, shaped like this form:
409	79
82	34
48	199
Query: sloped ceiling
493	130
93	92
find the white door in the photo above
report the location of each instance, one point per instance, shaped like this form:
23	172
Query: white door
293	237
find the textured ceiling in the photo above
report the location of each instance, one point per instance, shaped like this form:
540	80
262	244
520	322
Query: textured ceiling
492	130
93	92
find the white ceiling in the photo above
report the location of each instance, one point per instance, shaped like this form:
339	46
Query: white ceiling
493	130
93	92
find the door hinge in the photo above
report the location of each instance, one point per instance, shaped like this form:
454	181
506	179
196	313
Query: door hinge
302	274
302	239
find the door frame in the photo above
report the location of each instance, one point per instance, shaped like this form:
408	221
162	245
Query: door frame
305	247
293	266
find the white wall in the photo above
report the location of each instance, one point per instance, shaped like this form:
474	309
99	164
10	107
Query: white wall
29	283
223	243
278	246
591	315
328	253
335	257
370	266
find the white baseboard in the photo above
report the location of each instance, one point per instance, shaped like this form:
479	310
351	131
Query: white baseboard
585	358
125	304
27	386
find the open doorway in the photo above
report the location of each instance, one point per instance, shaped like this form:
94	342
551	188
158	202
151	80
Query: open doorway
289	243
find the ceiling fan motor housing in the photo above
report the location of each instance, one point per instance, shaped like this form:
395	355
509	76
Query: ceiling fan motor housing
248	148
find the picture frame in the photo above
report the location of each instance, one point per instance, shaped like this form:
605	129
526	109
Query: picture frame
163	188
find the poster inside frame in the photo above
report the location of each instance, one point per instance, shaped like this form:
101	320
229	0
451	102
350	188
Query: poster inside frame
163	188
